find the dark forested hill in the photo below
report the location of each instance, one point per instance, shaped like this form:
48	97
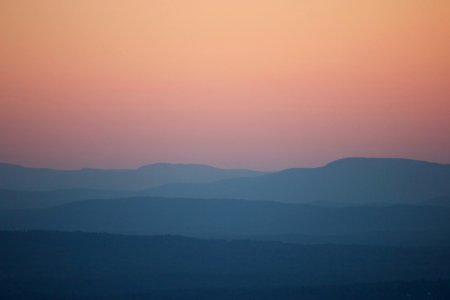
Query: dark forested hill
46	265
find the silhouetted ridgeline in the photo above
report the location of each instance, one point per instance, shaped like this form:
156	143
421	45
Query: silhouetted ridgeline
353	180
353	229
14	177
348	181
394	224
46	265
343	182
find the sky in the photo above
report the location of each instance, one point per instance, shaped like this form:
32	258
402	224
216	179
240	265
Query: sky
264	84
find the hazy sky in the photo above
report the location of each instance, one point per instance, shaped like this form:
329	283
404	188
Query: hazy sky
238	83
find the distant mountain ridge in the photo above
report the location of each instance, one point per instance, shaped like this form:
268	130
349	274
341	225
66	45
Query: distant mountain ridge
343	182
15	177
350	181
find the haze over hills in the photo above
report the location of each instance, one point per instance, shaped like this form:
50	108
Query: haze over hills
15	177
283	234
241	219
343	182
346	181
138	97
16	199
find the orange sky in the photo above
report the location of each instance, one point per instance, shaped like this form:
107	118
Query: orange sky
264	84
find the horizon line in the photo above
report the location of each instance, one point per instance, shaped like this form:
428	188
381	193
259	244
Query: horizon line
222	168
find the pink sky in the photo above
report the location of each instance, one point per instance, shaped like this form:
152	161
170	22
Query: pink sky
264	84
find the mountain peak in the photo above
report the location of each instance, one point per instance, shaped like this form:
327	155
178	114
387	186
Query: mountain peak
166	165
379	161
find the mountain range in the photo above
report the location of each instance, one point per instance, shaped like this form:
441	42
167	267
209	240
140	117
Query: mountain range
346	181
15	177
356	228
343	182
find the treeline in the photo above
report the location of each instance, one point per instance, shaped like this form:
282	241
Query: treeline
46	265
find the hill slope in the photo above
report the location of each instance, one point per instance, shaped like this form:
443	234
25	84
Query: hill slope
114	264
12	199
347	181
242	219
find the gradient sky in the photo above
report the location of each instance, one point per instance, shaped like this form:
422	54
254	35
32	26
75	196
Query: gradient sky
264	84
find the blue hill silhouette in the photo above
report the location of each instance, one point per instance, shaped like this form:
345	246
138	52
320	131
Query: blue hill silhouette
14	177
346	181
